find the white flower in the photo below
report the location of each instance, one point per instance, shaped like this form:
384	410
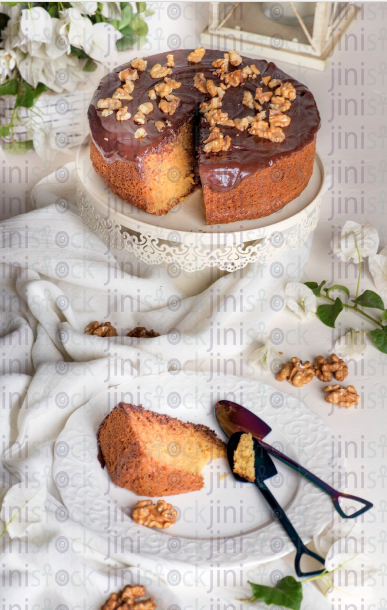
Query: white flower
36	24
111	10
7	64
61	74
351	345
378	268
59	42
98	40
80	30
356	241
349	555
87	8
267	355
301	300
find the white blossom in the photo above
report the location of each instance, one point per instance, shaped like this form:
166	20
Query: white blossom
103	43
59	42
351	345
378	268
60	74
87	8
349	559
36	24
301	300
7	64
267	355
356	241
111	10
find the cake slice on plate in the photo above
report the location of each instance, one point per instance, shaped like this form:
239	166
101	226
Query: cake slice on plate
153	454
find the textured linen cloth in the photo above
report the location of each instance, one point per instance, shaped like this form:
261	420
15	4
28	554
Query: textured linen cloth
57	277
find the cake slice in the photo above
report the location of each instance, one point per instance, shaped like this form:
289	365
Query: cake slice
244	458
153	454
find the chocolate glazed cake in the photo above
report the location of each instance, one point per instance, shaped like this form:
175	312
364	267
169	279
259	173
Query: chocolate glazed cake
241	127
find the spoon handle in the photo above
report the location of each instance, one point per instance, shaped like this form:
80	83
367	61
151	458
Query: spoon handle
333	493
280	514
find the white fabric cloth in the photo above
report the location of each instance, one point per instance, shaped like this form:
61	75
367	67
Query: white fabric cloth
57	278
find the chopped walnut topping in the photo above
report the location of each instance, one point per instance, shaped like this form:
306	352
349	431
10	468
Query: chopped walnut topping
141	331
152	94
105	329
129	86
279	103
236	78
197	55
248	72
139	64
266	80
326	367
126	599
172	82
139	118
248	99
278	120
217	117
221	65
160	515
216	142
169	104
242	124
146	108
170	61
159	71
128	74
257	106
212	90
234	58
160	126
344	397
123	114
262	96
121	94
200	82
140	133
296	372
163	89
287	91
109	103
274	83
260	116
106	112
254	70
214	103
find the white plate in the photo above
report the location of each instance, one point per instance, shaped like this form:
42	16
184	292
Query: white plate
189	217
226	521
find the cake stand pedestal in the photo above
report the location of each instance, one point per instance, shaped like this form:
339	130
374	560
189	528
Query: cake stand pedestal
195	254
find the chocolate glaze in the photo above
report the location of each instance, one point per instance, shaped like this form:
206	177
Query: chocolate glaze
221	171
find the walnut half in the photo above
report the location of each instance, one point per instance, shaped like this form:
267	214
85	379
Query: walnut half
160	515
105	329
216	142
344	397
126	599
326	367
296	372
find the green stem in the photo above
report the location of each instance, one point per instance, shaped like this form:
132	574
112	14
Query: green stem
359	275
355	308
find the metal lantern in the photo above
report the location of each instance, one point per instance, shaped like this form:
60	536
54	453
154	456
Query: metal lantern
296	32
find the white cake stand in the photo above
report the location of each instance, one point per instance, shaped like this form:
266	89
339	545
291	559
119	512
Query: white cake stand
181	237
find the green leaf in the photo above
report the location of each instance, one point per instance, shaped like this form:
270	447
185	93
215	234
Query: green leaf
127	31
9	88
329	313
315	288
287	593
53	10
384	315
4	130
139	26
19	148
141	6
149	12
78	52
369	298
125	43
337	287
29	96
379	339
126	17
90	66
